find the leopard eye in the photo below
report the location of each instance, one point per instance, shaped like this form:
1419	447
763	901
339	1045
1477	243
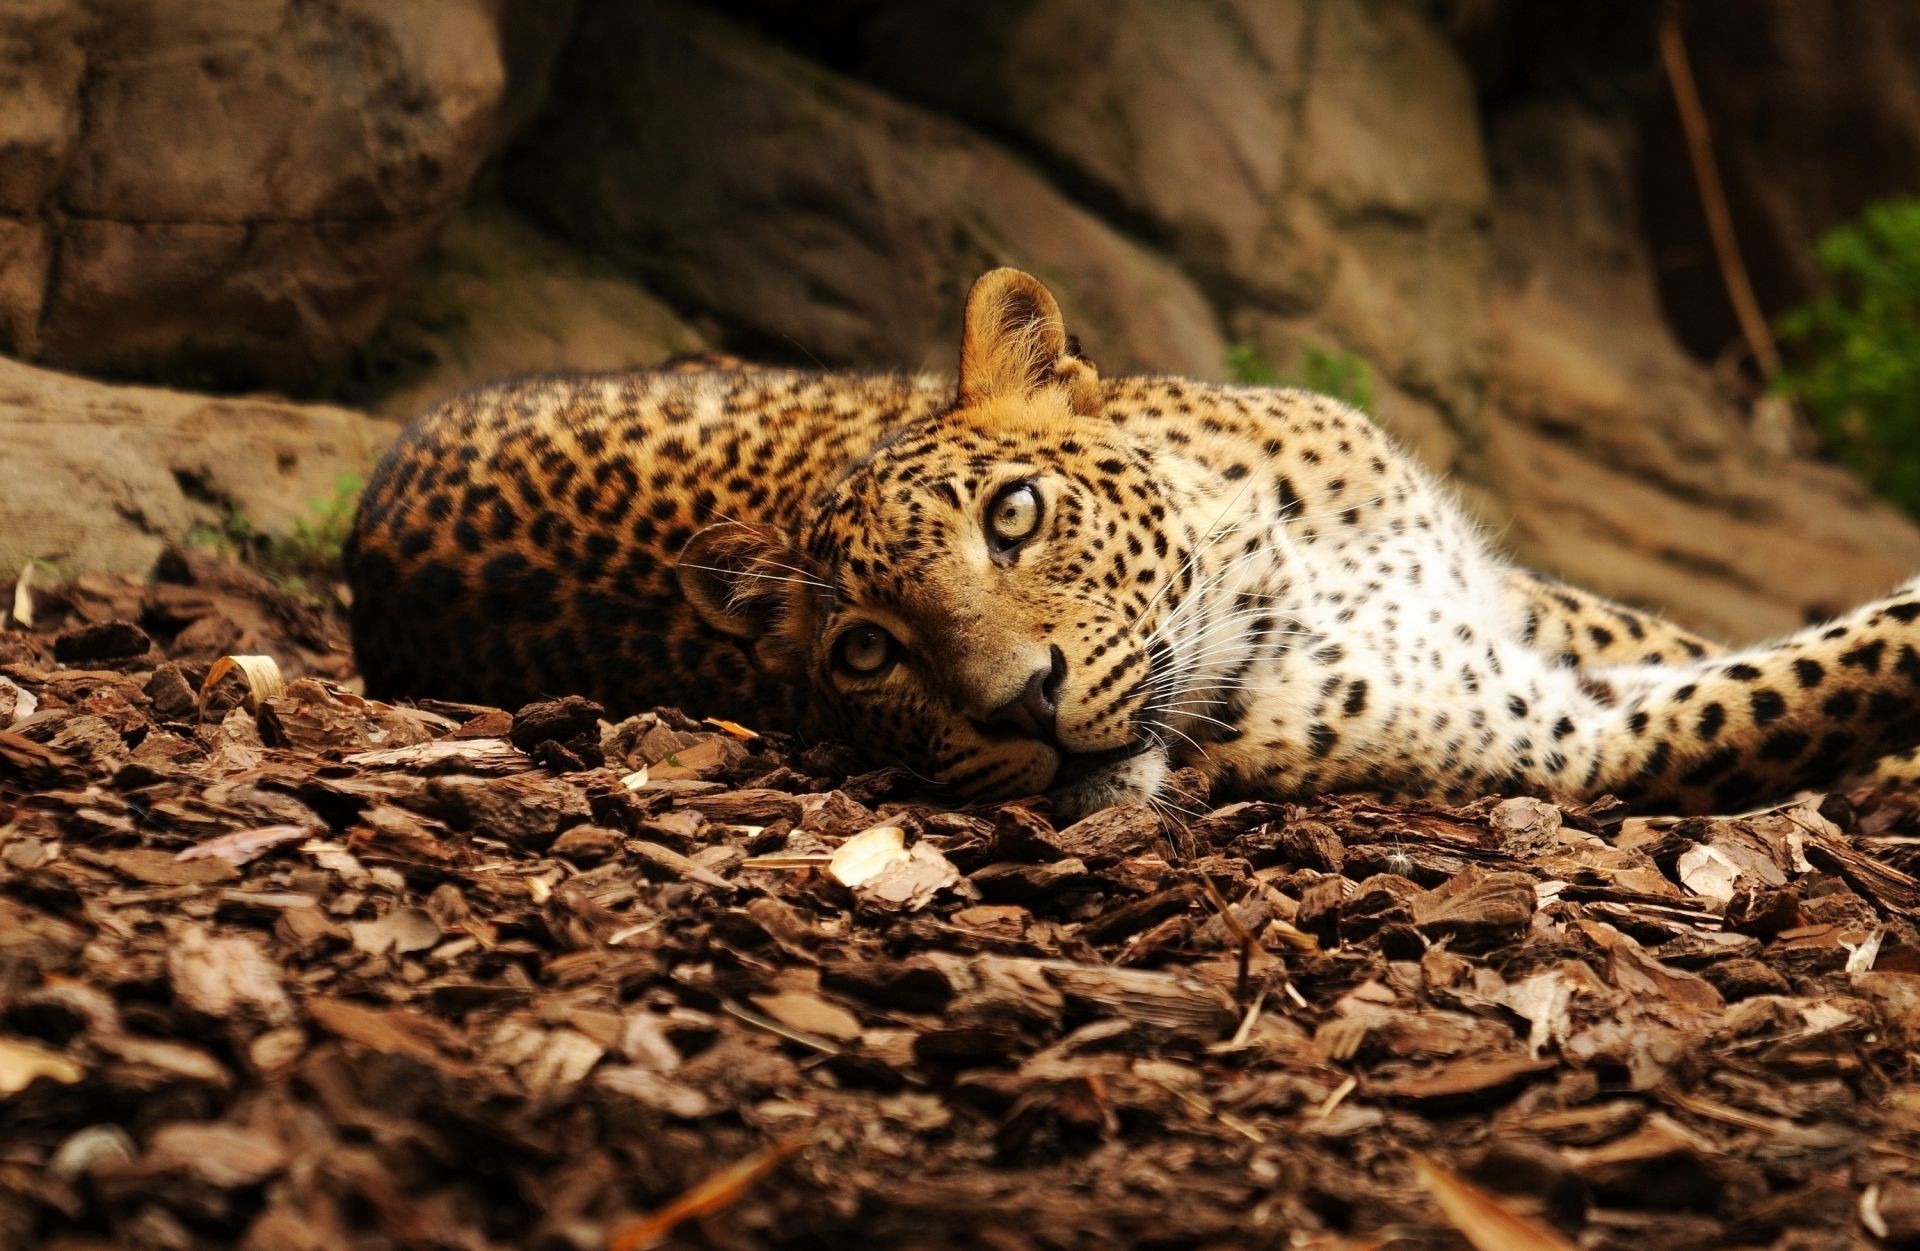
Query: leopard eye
864	650
1014	515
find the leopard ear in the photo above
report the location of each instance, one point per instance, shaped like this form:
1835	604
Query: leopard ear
1015	343
750	582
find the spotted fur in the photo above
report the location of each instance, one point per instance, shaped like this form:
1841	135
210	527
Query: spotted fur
1253	581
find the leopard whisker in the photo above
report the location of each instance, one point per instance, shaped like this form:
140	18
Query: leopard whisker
790	580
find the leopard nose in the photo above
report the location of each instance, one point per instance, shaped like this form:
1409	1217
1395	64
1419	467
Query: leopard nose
1032	712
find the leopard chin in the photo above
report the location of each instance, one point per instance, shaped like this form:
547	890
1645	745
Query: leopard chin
1086	784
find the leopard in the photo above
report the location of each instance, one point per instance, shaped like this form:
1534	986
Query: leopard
1035	579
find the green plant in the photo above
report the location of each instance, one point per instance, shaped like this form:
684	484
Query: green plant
311	552
1858	348
316	546
1245	365
1342	375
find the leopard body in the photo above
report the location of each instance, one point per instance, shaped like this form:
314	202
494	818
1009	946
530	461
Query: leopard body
1252	581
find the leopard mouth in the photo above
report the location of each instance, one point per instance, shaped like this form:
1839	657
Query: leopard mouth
1077	767
1085	782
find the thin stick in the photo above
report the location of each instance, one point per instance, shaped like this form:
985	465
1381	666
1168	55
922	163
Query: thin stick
718	1191
1713	197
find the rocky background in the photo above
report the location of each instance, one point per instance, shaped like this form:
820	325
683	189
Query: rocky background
357	207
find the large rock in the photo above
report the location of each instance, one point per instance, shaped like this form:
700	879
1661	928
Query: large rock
1318	162
1612	455
495	299
228	189
99	477
817	217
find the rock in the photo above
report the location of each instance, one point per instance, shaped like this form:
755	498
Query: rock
495	298
229	189
1440	436
808	211
103	478
1298	159
532	34
1187	117
39	46
1611	457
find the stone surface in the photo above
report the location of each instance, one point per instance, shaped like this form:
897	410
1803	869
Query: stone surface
1307	160
496	298
217	192
228	189
532	34
1185	117
1615	459
98	477
814	216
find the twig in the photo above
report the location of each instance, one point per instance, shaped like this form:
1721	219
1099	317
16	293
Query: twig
1335	1099
767	1023
718	1191
1238	929
1713	197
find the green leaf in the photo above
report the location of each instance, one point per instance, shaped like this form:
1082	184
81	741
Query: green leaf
1857	349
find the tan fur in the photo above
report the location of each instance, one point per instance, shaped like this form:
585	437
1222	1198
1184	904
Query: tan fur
1253	581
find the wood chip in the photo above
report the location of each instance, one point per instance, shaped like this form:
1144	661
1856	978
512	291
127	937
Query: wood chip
384	938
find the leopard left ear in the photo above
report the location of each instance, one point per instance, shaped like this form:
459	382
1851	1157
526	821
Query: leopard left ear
1015	343
750	582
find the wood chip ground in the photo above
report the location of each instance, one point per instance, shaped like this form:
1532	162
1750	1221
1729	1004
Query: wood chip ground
318	972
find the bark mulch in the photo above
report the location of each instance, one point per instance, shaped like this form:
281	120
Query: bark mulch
297	970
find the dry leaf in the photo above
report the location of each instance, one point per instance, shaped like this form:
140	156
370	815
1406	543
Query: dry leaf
460	755
223	1156
22	1062
912	882
810	1014
17	703
401	931
1708	873
261	672
159	868
653	1090
1481	1219
739	731
219	975
245	846
389	1031
23	597
861	858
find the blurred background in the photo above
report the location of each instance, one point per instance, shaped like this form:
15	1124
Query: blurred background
1640	275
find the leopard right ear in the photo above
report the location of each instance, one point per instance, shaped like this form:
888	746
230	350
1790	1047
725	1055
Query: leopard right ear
750	582
1015	342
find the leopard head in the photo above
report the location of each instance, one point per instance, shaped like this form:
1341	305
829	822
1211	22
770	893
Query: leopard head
976	598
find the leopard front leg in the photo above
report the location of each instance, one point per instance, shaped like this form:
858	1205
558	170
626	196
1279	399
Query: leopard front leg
1719	735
